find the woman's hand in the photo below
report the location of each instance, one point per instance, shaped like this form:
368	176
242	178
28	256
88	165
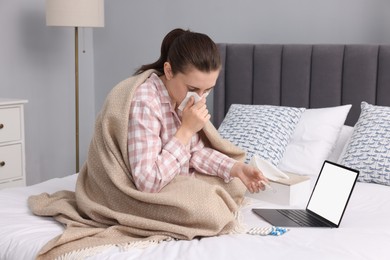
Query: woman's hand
250	176
194	118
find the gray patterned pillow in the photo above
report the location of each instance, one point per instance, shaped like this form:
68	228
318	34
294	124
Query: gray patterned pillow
369	147
264	130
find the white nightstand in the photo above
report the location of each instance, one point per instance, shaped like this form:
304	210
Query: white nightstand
12	151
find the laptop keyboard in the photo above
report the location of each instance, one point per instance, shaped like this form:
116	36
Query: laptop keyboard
300	217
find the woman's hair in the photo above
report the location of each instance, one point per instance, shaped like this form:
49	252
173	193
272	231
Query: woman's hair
184	49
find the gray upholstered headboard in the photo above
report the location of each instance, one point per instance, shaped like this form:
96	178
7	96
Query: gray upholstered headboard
299	75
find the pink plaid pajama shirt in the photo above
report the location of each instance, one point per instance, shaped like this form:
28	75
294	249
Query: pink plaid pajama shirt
155	155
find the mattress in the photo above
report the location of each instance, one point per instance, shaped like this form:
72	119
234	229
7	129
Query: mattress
364	232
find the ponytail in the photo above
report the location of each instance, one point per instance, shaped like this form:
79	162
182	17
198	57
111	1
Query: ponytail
184	49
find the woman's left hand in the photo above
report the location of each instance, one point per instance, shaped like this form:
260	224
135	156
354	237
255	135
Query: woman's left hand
250	176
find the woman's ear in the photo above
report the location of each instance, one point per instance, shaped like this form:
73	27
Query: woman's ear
168	70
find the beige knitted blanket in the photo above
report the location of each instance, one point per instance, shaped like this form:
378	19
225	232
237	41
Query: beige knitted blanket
107	209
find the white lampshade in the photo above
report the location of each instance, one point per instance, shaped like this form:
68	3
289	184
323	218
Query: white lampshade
75	13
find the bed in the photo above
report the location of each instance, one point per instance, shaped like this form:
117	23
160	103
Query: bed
327	83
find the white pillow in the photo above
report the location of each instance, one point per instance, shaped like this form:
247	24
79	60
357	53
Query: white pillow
368	150
341	143
260	129
314	139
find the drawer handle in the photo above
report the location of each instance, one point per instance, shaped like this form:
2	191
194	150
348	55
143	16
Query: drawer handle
2	163
1	126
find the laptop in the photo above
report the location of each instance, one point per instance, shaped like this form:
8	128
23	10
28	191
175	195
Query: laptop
327	202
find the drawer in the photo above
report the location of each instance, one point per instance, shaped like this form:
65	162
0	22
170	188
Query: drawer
10	162
10	128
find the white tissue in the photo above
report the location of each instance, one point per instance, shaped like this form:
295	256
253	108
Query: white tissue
190	94
268	169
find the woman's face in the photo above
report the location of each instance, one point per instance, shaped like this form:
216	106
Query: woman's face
192	81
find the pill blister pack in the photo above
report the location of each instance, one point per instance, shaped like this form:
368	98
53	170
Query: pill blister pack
266	231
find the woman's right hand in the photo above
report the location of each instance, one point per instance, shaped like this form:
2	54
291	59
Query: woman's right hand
194	118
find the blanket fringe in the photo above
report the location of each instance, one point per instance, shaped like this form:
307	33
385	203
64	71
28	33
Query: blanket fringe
141	244
83	253
92	251
240	227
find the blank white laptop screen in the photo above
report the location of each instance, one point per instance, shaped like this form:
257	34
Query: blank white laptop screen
327	203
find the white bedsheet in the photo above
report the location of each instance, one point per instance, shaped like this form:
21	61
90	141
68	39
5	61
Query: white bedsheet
364	232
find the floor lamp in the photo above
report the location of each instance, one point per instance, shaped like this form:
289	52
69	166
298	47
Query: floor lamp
75	13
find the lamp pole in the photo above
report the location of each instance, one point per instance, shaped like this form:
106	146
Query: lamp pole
76	48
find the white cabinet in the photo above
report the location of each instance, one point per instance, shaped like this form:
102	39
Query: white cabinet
12	151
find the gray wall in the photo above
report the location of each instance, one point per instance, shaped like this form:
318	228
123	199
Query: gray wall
37	62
